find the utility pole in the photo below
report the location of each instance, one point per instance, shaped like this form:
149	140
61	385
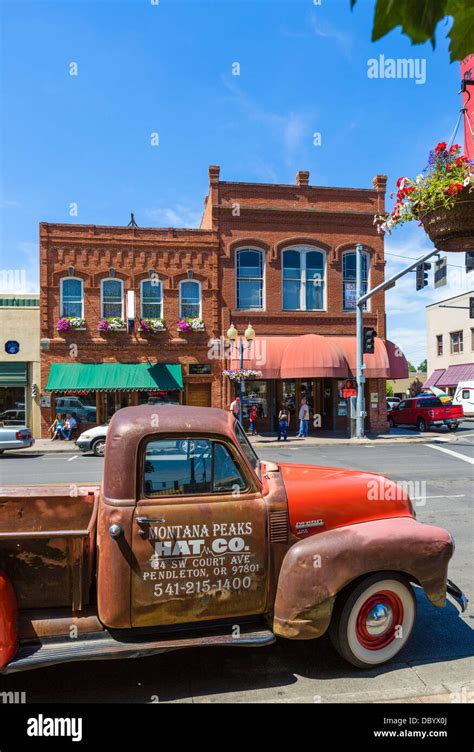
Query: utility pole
361	300
360	407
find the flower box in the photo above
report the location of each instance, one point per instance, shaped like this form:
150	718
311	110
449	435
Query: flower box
70	323
190	325
241	374
152	326
113	325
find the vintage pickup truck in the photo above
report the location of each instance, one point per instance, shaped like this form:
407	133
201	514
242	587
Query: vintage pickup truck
191	540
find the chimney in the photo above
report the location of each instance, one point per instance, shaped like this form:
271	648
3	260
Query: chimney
214	171
380	183
302	177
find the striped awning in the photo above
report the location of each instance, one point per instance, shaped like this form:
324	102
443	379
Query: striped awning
433	378
455	374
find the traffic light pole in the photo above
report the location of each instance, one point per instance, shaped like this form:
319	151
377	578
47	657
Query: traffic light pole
361	299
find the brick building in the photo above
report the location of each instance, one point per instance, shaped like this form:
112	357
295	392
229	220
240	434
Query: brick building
280	256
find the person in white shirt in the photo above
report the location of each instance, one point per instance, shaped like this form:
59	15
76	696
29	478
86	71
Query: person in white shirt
303	416
235	407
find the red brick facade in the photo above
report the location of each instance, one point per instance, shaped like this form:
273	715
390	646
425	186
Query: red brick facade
236	215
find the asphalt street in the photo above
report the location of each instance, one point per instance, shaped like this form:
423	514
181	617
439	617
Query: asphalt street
438	659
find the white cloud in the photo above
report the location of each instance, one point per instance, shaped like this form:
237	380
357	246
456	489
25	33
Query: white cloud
178	216
326	31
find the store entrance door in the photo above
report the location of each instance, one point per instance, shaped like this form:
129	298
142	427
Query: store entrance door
198	395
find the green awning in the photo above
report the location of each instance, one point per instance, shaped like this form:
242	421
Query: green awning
13	374
70	377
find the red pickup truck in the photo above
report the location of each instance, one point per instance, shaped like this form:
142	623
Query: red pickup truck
425	412
191	541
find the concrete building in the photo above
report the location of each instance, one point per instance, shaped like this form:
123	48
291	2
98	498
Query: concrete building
280	256
20	377
450	342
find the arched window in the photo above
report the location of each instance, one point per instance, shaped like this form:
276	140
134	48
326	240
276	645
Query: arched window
151	299
112	298
190	299
72	297
250	273
304	271
349	292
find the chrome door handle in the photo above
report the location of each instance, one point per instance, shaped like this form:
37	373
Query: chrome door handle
148	521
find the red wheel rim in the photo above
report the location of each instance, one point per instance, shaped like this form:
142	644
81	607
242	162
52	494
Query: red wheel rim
378	620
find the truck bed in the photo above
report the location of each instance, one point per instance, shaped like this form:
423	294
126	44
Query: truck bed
47	543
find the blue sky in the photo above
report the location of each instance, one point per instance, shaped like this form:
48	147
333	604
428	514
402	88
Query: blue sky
166	68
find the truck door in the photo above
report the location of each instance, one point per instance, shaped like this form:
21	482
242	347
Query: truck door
199	534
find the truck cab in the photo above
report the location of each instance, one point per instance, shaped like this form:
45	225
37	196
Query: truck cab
192	540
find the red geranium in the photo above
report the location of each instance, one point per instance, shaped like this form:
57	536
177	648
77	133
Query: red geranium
454	148
441	147
455	188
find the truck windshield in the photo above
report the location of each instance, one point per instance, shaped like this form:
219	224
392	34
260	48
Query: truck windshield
247	448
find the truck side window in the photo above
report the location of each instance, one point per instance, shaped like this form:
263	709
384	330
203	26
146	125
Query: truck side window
183	467
178	467
227	476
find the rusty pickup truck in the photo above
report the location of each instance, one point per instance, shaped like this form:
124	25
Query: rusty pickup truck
191	540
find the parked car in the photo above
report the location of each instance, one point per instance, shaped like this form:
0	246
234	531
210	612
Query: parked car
12	417
464	396
392	401
71	405
425	412
184	560
15	437
93	440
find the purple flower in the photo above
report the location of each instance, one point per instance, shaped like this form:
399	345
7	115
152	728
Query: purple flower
103	326
63	325
184	326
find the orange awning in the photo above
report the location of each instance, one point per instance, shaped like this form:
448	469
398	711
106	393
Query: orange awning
316	356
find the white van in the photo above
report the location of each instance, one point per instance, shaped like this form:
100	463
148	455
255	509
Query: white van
464	396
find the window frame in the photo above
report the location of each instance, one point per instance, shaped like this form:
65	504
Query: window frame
365	254
143	499
439	346
160	283
262	255
460	351
102	282
194	282
303	251
61	295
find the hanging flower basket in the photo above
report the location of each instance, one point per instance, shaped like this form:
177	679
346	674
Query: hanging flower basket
70	323
452	229
152	326
111	326
190	325
441	199
241	374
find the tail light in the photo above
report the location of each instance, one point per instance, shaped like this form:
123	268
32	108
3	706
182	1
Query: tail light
22	435
431	413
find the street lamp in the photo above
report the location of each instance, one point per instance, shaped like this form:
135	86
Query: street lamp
232	335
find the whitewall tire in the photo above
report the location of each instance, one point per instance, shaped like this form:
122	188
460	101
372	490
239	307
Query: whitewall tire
373	621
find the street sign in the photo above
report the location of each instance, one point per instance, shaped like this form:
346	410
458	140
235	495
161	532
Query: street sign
441	272
346	393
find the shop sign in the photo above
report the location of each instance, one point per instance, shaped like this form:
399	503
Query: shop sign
374	399
12	347
351	295
45	400
199	369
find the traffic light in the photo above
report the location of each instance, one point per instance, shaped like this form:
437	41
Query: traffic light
469	261
368	341
422	275
471	308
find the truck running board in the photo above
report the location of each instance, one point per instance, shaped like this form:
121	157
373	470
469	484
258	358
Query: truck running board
103	646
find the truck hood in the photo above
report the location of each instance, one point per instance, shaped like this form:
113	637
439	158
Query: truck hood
322	498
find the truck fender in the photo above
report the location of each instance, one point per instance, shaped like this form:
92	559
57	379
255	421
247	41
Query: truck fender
315	569
8	614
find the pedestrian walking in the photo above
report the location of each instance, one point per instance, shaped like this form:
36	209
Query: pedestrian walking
283	422
252	419
235	407
303	416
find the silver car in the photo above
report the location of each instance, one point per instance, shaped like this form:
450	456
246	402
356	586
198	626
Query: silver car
15	437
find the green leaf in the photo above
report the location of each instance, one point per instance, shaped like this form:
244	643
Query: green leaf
461	34
418	18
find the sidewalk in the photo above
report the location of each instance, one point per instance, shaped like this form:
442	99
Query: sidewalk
397	436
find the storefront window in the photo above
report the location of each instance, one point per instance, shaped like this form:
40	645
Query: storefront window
289	396
80	404
255	393
12	406
159	398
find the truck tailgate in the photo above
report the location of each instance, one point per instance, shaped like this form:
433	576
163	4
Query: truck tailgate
47	543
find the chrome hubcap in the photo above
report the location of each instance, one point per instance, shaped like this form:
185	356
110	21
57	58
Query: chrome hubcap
379	619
